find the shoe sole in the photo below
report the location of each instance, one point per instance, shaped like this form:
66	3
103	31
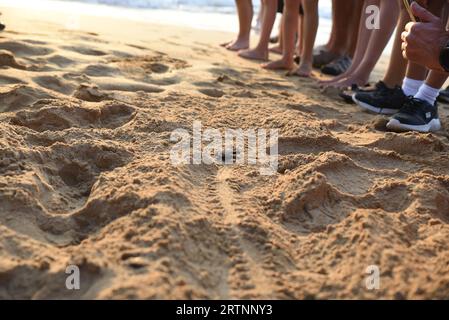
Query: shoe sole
432	126
371	108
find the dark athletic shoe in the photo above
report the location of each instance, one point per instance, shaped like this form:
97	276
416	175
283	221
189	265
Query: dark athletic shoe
337	67
416	115
2	26
444	95
348	93
383	100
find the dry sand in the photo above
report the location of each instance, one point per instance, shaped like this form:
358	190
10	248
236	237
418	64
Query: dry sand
86	179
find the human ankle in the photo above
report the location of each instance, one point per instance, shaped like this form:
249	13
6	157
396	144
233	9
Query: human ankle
242	38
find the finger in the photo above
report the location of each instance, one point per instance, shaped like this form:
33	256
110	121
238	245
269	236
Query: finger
404	35
404	54
423	14
409	26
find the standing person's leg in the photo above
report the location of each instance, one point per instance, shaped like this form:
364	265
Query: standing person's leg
347	44
336	46
260	52
414	78
259	21
334	29
342	12
430	89
245	14
308	40
387	97
416	74
278	48
397	65
291	15
299	44
336	14
389	11
364	36
352	27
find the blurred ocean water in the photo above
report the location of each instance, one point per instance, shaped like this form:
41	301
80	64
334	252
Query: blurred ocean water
217	15
222	6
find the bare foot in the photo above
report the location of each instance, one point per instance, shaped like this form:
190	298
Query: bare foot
225	44
349	81
276	49
254	54
330	82
304	70
238	45
278	65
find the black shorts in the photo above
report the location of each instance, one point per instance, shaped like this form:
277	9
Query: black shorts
281	7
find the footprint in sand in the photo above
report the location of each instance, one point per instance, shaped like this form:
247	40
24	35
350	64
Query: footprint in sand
309	145
55	83
101	70
23	49
61	180
60	61
127	86
35	42
150	64
20	96
84	50
7	59
166	81
90	93
56	118
158	67
212	92
9	80
409	144
74	174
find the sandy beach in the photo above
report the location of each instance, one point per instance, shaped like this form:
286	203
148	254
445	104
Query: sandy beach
86	113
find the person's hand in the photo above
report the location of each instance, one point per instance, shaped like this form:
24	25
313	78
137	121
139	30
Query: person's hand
423	41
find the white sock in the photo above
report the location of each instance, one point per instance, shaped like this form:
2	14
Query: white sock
411	86
427	93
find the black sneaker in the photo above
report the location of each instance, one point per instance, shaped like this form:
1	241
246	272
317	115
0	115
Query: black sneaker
383	100
2	26
416	115
337	67
348	93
